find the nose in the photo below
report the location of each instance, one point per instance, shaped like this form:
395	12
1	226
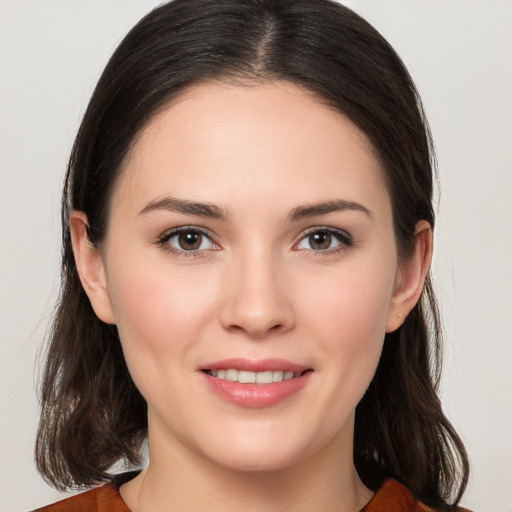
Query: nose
257	301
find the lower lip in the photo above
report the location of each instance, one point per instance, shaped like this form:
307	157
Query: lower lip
256	396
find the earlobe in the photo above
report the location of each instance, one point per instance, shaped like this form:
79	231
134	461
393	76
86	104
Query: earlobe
410	277
90	267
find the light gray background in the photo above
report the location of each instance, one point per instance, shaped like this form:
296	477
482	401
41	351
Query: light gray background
460	54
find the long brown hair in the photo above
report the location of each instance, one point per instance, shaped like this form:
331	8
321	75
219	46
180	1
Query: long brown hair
92	415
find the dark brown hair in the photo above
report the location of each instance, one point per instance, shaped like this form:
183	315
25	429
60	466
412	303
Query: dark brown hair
92	415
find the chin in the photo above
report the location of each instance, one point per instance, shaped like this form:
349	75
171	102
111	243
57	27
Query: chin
257	453
256	461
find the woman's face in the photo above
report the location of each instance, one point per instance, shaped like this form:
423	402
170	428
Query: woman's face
251	235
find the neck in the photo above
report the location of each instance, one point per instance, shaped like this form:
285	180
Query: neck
179	479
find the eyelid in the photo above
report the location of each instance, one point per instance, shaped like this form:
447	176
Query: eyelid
345	239
171	233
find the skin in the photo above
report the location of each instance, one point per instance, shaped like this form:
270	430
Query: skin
256	288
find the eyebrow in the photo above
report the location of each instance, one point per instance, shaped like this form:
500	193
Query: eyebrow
186	207
302	212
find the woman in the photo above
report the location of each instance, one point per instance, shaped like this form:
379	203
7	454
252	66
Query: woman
247	230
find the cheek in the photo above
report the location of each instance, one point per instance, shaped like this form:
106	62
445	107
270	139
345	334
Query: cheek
352	304
159	313
349	320
161	317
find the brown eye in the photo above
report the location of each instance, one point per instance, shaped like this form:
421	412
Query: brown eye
184	240
325	240
320	241
190	240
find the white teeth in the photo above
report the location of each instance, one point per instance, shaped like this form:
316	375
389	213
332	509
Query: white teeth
231	375
246	377
277	376
264	377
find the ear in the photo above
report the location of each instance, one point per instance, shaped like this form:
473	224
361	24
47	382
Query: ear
90	267
410	277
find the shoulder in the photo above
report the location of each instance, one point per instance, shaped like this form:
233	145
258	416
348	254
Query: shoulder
101	499
395	497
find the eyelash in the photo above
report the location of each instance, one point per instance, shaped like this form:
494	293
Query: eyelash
345	241
163	241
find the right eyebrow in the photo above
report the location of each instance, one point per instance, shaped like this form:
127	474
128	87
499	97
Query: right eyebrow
185	207
302	212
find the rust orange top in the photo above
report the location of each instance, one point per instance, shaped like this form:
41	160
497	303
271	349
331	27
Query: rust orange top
391	497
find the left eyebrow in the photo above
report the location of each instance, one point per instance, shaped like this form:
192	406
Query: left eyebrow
185	207
302	212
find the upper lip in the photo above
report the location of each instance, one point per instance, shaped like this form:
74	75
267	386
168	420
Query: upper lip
255	365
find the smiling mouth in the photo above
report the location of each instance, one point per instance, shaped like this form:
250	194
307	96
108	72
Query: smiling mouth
248	377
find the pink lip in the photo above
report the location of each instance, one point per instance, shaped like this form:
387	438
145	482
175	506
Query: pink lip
256	395
251	365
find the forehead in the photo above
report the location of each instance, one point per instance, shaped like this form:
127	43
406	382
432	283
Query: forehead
218	142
